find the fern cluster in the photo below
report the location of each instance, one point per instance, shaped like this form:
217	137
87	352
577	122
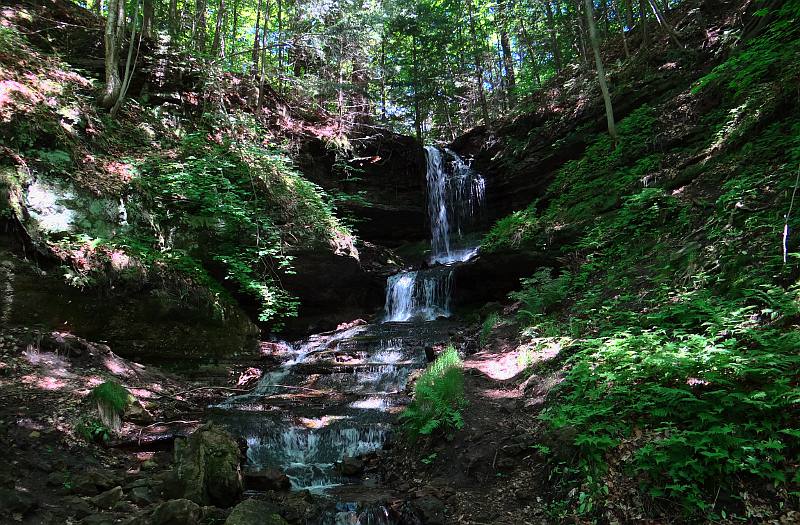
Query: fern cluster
438	398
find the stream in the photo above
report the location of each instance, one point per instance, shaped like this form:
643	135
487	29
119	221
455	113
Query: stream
335	395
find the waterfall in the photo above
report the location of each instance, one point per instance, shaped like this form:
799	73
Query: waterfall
456	194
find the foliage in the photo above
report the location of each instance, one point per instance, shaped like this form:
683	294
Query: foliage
514	231
92	430
438	398
770	56
540	293
207	195
486	328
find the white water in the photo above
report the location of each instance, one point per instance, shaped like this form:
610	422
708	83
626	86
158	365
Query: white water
421	295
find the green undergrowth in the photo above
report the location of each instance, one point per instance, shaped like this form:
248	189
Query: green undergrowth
438	398
202	205
681	373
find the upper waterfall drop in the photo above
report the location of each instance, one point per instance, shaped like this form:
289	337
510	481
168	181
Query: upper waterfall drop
456	194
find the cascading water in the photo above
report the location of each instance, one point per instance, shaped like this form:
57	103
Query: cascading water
456	194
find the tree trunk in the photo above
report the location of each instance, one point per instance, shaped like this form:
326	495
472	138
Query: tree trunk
383	76
256	40
148	13
531	51
601	72
98	7
478	65
280	46
115	25
508	59
200	26
622	29
235	29
662	21
551	26
129	63
216	47
643	22
417	116
173	20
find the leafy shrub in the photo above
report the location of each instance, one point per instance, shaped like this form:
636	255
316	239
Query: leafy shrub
438	398
540	293
93	430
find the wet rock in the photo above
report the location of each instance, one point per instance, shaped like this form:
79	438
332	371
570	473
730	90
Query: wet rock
207	467
142	495
108	499
431	510
254	512
176	512
351	466
213	515
264	480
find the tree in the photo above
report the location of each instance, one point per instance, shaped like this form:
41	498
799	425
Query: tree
601	72
112	39
505	43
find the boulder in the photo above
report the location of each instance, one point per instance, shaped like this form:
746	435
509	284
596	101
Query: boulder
207	469
254	512
263	480
351	466
176	512
108	499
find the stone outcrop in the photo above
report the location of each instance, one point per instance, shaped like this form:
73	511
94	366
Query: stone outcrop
207	468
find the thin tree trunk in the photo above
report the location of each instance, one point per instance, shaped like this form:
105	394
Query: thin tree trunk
256	40
97	7
662	21
200	26
508	59
531	51
216	48
235	29
112	38
643	22
622	29
601	72
280	46
126	80
173	20
417	116
478	65
551	26
383	75
263	77
148	12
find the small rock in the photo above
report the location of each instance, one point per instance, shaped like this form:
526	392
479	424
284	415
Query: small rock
142	496
254	512
108	499
176	512
431	510
35	434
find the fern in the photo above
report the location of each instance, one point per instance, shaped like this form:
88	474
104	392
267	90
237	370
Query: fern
438	398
